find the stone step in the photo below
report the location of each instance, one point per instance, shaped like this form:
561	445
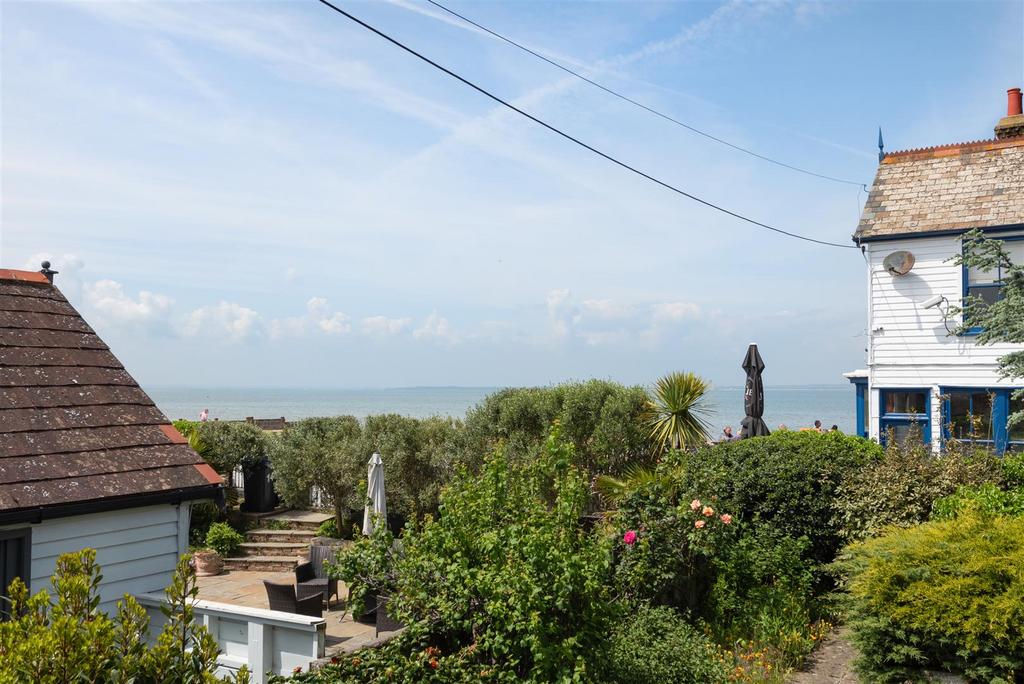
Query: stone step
264	535
298	520
291	549
266	564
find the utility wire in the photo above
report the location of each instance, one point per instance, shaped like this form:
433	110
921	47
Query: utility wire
641	105
570	138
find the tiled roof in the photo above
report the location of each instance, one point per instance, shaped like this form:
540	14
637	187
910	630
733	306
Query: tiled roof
952	187
77	433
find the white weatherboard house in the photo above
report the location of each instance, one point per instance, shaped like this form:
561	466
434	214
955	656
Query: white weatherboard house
86	458
88	461
921	204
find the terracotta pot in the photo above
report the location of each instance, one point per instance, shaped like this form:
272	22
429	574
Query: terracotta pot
208	563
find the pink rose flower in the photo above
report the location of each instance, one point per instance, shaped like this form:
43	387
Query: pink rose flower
695	505
629	537
708	511
698	524
726	518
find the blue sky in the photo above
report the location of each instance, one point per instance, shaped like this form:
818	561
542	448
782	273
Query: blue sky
264	194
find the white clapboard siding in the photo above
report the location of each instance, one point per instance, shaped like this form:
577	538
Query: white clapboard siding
137	549
910	346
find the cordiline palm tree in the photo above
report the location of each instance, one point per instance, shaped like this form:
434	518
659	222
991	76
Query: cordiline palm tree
676	416
677	412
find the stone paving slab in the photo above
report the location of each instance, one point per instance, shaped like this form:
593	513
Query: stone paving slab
245	588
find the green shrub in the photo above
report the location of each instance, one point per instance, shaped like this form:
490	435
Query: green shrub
329	528
656	646
70	640
1013	469
788	479
603	420
224	539
661	555
945	595
901	488
986	499
507	576
227	445
763	592
367	567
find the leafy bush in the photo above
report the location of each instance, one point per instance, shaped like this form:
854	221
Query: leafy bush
942	595
604	421
331	453
224	539
986	499
227	445
70	639
788	479
901	488
329	528
656	646
763	591
1013	469
664	547
367	567
506	575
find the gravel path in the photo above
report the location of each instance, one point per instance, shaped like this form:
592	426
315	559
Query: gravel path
831	663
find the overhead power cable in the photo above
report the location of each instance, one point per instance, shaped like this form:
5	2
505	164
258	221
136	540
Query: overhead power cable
641	105
570	138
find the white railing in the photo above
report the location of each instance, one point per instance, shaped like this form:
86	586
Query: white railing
238	480
266	641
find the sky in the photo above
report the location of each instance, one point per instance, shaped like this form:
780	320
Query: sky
266	194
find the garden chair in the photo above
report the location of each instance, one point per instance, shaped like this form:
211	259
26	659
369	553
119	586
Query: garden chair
311	576
282	597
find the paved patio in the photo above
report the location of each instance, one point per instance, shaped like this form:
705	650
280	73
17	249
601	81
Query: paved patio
245	588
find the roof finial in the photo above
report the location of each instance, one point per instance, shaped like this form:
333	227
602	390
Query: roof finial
47	271
881	146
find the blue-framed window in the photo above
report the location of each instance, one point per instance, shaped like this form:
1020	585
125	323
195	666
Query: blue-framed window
980	415
904	411
988	285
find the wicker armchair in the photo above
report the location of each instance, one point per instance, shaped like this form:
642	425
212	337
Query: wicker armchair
311	576
282	597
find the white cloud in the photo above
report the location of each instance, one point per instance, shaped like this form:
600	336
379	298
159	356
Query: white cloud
606	309
108	299
675	311
382	325
333	323
436	328
224	321
318	318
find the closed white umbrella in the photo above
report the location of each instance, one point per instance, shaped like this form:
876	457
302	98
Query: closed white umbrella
376	504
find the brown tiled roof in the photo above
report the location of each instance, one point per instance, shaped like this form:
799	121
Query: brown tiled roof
952	187
77	433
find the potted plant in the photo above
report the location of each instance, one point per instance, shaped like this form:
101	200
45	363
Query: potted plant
207	562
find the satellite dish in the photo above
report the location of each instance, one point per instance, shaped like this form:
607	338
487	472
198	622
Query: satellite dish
899	263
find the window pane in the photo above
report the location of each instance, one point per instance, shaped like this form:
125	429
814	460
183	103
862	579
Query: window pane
988	294
981	415
1016	250
975	276
904	402
1017	431
959	414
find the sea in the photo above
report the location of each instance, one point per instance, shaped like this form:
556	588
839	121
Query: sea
794	406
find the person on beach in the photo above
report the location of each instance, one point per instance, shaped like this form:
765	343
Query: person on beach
835	428
817	426
204	415
727	435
